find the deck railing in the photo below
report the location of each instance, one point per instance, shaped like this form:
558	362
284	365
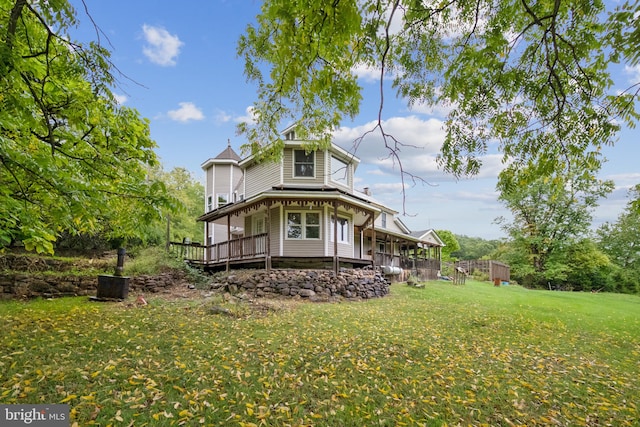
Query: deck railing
187	251
406	263
235	249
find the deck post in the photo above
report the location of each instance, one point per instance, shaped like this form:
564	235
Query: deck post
267	249
228	242
373	241
336	261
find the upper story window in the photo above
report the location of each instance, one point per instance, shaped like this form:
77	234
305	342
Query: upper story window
303	163
303	225
383	219
209	203
222	199
339	171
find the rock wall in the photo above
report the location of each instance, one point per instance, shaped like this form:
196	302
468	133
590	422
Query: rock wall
312	284
33	285
317	285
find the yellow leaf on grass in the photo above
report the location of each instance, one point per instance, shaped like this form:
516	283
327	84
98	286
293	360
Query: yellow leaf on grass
68	398
185	413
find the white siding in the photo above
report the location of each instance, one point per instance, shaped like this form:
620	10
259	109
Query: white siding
261	177
319	168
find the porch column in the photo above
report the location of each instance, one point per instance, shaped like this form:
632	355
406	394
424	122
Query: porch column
336	261
373	240
267	260
207	238
228	242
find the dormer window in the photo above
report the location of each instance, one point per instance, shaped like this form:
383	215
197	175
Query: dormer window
290	136
303	164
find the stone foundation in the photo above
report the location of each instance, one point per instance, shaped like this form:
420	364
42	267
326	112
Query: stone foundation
312	284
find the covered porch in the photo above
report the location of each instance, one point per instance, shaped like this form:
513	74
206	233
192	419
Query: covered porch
253	233
401	254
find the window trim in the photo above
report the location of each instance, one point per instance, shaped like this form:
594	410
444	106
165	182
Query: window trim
224	196
312	163
342	171
303	225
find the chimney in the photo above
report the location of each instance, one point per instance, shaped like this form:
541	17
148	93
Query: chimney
367	191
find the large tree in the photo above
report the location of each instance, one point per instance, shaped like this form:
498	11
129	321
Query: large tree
620	240
450	244
551	211
182	185
533	76
71	158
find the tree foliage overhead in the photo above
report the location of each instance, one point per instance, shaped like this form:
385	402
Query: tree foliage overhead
532	75
71	158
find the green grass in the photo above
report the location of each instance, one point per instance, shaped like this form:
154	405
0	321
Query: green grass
470	355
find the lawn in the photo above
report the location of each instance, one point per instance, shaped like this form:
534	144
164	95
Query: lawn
472	355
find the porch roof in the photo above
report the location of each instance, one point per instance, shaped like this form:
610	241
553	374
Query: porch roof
405	237
292	194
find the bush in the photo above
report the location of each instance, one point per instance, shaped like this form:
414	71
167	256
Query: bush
155	260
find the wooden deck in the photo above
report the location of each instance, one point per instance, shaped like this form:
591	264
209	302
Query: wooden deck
250	252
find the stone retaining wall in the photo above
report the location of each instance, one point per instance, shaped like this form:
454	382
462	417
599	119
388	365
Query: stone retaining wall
312	284
24	286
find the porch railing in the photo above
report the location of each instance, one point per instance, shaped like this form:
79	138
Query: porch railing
406	263
235	249
187	251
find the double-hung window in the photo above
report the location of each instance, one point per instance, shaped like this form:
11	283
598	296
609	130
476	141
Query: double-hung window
303	225
303	164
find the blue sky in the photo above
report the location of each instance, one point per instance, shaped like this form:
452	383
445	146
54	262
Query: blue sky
182	73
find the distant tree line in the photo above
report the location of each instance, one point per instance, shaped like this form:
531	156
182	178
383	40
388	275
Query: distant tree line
604	260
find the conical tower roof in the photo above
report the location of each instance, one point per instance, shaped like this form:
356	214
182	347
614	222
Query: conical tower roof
228	154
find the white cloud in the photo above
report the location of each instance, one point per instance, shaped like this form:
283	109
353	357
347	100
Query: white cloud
367	73
440	110
162	47
634	72
120	99
419	143
388	188
223	117
187	112
412	132
248	117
